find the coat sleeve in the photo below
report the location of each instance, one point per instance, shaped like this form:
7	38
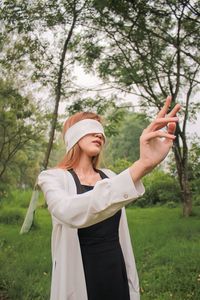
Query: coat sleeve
82	210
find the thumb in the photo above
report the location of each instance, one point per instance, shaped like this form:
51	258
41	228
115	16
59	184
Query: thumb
171	127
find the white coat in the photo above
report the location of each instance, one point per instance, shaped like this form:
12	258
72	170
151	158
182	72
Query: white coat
70	211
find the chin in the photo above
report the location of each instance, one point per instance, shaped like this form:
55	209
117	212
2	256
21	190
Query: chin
94	153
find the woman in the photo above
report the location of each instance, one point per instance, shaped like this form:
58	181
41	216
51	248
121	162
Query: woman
91	248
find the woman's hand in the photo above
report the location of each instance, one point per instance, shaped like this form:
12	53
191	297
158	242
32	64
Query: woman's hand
155	143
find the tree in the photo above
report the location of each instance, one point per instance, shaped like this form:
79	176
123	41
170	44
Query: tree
194	170
32	23
20	124
44	40
151	51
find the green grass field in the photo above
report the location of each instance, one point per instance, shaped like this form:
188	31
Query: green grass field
167	251
166	246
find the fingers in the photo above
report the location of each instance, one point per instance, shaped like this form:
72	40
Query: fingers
158	134
174	111
165	108
160	123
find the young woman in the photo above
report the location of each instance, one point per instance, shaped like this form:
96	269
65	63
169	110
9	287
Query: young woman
91	249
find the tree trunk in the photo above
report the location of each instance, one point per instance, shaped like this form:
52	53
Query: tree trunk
187	198
58	95
182	167
186	193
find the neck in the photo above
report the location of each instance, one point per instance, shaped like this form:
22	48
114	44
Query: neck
84	165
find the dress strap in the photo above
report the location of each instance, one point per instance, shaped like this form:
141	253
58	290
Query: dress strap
102	174
79	187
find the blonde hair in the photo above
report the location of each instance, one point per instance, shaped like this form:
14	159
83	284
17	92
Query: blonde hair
72	157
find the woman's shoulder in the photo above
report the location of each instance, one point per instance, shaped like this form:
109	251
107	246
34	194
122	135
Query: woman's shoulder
52	171
51	175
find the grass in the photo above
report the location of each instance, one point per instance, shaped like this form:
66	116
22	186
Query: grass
166	247
167	251
25	259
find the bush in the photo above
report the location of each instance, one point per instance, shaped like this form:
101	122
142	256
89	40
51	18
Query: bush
4	191
171	204
160	188
20	198
119	165
195	187
11	216
196	200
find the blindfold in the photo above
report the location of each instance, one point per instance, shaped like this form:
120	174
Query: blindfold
80	129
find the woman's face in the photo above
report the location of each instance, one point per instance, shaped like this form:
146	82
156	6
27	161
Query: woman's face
91	144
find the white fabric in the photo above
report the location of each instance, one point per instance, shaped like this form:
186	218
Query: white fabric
71	211
28	221
80	129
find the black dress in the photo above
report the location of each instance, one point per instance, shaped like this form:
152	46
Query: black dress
102	257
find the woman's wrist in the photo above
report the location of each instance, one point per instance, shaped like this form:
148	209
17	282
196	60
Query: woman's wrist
139	170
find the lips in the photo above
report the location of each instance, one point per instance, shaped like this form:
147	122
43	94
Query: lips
97	142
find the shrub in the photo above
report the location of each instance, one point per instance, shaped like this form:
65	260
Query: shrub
20	198
160	188
195	187
196	200
119	165
171	204
11	216
4	192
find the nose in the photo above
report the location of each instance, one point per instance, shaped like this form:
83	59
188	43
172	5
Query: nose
99	135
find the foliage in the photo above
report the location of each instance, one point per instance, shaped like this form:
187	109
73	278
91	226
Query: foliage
11	216
125	145
194	159
22	126
151	51
195	187
193	170
196	198
160	187
139	37
171	204
30	28
111	113
16	199
119	165
43	37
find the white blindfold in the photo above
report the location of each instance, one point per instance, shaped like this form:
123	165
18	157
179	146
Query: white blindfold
80	129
